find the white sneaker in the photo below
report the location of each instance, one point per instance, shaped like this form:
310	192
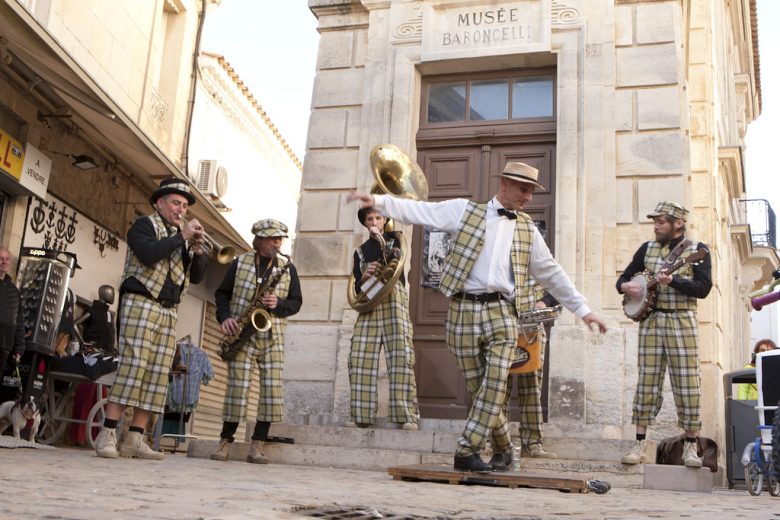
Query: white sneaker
637	454
133	446
223	451
105	443
537	451
410	427
690	456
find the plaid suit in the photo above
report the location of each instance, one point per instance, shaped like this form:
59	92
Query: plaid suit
387	325
668	337
147	328
264	349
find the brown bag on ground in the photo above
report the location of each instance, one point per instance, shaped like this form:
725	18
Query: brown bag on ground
670	450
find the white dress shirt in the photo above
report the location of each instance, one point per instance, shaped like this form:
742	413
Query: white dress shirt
492	270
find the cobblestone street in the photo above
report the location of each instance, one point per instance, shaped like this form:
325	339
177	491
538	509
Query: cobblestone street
69	483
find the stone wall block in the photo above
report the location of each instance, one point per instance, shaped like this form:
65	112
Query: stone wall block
307	398
568	373
338	299
624	109
650	154
361	48
352	138
316	300
701	151
605	364
700	117
646	65
655	23
323	255
658	108
335	50
624	203
310	353
318	211
338	88
330	169
327	128
624	25
652	191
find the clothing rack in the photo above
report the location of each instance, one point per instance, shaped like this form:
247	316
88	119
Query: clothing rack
182	435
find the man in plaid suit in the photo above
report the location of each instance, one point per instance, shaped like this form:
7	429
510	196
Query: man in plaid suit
234	297
668	336
387	325
495	249
161	262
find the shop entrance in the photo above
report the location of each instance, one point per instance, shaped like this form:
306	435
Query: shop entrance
470	128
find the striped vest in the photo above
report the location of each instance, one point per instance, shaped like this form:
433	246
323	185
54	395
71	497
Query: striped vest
245	286
667	297
468	244
153	278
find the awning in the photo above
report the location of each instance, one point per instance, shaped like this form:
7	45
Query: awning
22	38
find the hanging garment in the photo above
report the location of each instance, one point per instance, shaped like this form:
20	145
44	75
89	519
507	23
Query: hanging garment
199	371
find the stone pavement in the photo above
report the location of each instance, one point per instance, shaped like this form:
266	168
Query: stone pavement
69	483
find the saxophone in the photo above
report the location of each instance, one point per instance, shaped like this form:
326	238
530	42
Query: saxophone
256	318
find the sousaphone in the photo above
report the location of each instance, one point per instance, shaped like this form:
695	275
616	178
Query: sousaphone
399	176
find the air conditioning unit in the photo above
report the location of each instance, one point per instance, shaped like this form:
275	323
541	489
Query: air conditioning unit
212	179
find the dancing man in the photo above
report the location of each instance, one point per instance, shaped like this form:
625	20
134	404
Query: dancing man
495	249
276	280
164	255
669	335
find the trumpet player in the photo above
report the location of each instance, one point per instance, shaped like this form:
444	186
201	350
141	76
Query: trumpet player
387	325
235	298
163	257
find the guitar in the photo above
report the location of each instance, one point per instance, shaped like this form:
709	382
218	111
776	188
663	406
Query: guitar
639	307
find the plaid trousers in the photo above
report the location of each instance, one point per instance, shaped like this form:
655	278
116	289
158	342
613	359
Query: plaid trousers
669	339
147	344
529	399
482	337
387	325
269	357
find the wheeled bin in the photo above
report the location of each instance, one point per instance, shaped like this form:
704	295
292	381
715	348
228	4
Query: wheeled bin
741	424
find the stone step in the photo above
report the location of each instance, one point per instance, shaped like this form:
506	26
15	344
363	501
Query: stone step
431	438
379	459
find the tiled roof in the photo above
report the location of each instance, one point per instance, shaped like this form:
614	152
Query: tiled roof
245	90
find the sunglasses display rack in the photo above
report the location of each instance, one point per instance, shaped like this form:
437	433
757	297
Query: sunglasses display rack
43	280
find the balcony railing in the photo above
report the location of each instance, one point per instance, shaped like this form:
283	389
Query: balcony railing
761	218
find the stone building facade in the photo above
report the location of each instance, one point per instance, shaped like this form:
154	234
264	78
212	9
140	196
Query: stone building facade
99	94
620	103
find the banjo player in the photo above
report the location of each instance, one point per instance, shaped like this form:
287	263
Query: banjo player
669	333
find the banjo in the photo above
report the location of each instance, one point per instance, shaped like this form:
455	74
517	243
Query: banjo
639	307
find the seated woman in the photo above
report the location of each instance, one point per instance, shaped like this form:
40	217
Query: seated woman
748	391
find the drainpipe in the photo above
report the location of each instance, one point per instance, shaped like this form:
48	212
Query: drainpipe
193	85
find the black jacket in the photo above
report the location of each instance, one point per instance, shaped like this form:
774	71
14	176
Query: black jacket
11	317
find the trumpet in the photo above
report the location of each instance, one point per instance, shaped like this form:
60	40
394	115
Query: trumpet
222	254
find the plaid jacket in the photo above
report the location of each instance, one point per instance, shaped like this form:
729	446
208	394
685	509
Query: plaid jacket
468	244
153	278
245	286
667	297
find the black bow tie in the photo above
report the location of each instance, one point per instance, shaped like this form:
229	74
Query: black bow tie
506	213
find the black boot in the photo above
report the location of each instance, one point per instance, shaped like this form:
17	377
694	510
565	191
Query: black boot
472	463
501	461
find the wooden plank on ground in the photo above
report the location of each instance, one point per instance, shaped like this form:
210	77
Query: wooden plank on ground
510	479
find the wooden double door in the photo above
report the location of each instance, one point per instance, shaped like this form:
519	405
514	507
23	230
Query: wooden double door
471	172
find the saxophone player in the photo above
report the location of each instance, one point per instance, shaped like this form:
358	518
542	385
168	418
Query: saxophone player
234	298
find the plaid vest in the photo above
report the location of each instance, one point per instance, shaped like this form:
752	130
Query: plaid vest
468	244
153	278
667	297
245	286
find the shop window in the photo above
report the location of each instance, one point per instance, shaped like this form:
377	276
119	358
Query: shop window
532	97
488	100
447	103
518	98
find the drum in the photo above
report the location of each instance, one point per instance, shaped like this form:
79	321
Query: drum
530	331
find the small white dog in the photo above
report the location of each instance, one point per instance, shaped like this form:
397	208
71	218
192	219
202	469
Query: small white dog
16	414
